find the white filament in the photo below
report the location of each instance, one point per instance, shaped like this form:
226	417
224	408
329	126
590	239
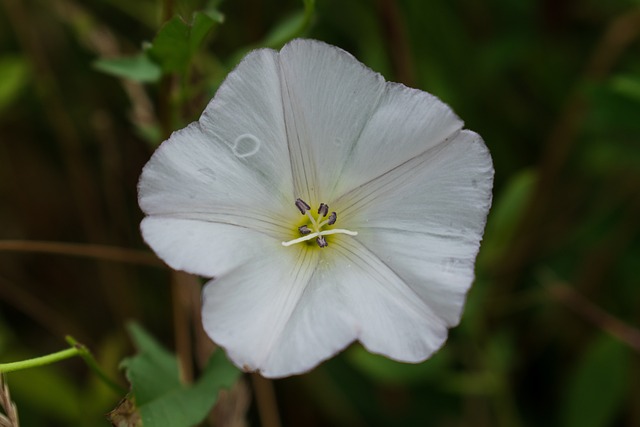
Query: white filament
320	233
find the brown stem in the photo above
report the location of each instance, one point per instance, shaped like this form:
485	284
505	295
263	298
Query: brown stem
266	400
594	314
398	48
99	252
182	287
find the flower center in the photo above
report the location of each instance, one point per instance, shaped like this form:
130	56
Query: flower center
314	229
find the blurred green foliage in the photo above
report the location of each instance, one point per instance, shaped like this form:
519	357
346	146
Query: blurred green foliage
550	333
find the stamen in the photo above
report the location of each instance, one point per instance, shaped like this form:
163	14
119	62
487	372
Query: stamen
332	218
313	230
322	242
304	230
302	206
314	224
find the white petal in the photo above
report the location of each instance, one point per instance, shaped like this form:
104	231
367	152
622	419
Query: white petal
406	123
328	98
275	315
425	219
234	160
391	318
204	248
321	325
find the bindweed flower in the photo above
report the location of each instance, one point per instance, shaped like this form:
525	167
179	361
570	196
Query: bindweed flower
327	205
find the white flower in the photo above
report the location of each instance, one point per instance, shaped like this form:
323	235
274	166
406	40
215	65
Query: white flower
240	196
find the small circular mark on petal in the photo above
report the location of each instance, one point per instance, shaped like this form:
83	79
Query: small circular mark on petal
245	145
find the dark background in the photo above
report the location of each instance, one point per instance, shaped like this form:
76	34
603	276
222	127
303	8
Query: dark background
550	333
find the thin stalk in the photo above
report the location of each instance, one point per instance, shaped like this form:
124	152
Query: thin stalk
93	365
101	252
76	349
266	400
39	361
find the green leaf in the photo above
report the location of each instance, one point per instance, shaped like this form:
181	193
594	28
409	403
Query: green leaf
203	22
189	406
14	74
177	41
170	48
505	215
139	68
161	399
154	371
598	386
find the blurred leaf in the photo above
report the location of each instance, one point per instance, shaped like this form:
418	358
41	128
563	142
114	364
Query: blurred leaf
499	352
610	156
161	398
472	383
214	14
497	359
14	74
628	85
290	28
150	133
598	385
614	108
505	215
139	68
385	370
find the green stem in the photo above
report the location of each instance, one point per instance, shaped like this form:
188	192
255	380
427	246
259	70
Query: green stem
39	361
88	358
76	349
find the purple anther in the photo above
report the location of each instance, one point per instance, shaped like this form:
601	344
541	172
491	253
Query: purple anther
304	230
323	210
332	218
302	206
322	242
